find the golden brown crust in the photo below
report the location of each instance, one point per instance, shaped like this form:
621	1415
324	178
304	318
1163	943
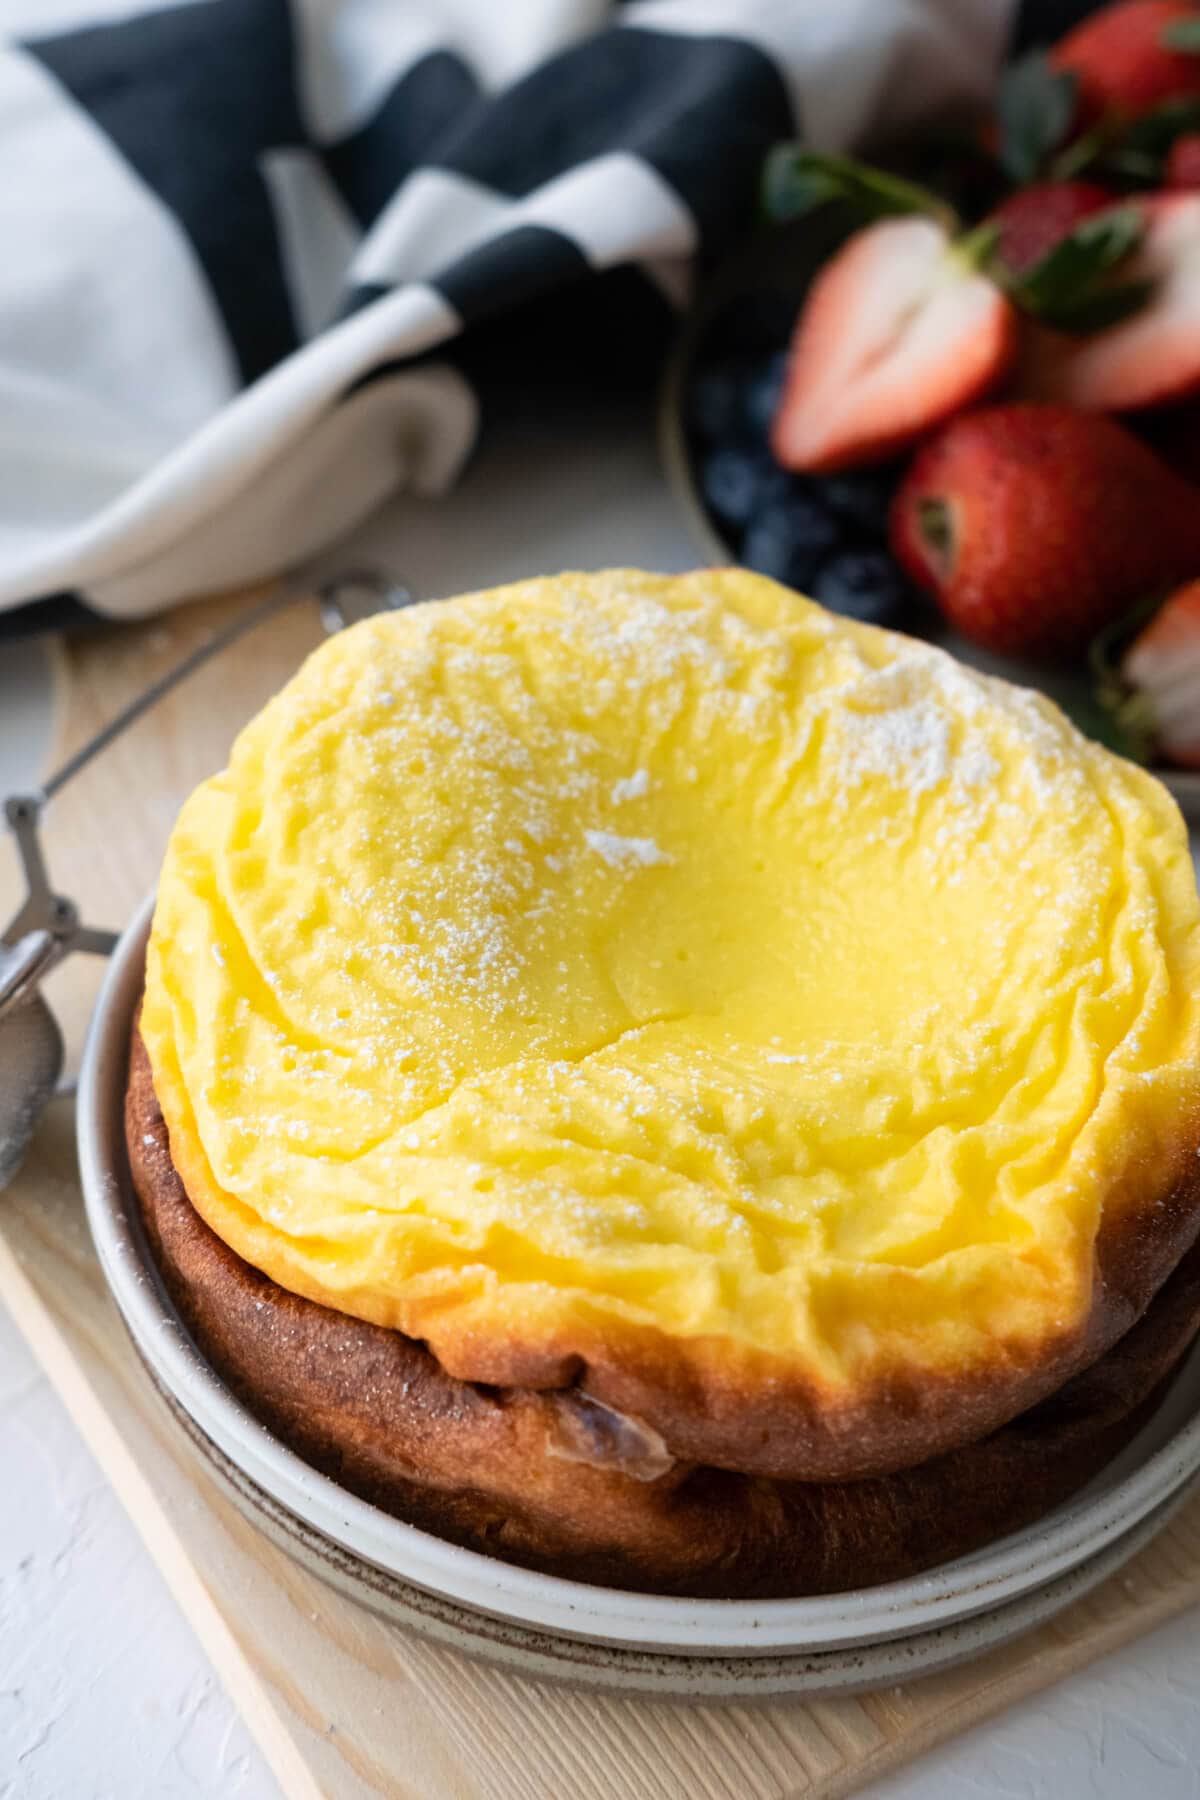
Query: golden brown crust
796	1430
497	1468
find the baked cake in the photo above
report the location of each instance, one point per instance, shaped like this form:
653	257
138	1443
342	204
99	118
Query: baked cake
642	1075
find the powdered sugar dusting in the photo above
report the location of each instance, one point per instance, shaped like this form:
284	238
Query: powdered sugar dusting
633	787
910	743
925	723
626	852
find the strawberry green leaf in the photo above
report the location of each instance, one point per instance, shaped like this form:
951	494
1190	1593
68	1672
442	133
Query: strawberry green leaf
1182	34
1155	132
1095	312
1035	106
1096	245
797	181
1109	722
1129	150
1132	151
1071	286
1118	715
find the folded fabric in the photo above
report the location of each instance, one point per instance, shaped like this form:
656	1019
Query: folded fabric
249	244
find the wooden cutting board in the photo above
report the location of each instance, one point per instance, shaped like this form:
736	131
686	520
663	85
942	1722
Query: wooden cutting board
342	1704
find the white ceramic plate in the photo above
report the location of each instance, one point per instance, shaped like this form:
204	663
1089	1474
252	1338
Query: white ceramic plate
549	1656
1154	1467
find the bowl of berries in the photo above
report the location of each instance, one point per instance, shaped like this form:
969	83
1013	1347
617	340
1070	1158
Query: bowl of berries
959	394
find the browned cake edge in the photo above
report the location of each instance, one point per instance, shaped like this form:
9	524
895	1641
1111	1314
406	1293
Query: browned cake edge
553	1481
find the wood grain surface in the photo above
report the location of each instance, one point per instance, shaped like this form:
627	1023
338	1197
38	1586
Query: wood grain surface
342	1704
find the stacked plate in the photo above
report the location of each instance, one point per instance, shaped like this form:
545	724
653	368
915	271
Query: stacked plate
602	1637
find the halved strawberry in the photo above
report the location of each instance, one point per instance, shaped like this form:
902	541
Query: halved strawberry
1156	699
899	331
1151	357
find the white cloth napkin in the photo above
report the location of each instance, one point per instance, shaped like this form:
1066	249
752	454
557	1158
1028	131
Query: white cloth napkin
247	243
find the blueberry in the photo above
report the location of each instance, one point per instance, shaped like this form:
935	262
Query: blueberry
714	401
735	397
761	395
790	538
735	480
863	584
861	499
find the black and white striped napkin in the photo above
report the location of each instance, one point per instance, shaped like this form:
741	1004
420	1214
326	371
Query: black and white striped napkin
252	250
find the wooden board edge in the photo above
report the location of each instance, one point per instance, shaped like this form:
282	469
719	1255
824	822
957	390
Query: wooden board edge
155	1530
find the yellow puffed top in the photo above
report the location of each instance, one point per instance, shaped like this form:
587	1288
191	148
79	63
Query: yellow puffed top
615	961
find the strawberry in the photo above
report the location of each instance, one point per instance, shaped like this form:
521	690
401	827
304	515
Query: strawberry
1149	358
1035	526
1035	219
1156	696
899	331
1182	169
1130	58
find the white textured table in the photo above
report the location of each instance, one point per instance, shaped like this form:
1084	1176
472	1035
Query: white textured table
104	1694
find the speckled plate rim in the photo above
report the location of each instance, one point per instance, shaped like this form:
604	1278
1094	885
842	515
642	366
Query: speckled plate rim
1165	1454
548	1656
